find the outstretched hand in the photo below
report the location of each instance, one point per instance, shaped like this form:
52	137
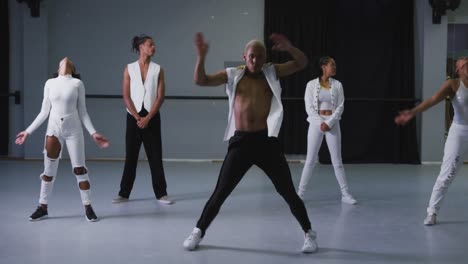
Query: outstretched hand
404	117
280	42
21	137
200	44
100	140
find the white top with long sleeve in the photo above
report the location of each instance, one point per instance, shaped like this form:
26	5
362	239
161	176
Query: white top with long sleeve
460	105
143	93
311	101
275	117
63	96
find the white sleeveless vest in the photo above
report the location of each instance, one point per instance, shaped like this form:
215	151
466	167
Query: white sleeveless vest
143	94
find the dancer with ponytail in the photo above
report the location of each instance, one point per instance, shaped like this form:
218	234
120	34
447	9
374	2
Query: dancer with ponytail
324	101
143	94
64	104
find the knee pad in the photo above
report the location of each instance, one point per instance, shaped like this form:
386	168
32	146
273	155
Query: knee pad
50	166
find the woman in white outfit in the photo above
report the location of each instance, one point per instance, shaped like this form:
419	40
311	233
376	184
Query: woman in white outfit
456	144
324	102
64	104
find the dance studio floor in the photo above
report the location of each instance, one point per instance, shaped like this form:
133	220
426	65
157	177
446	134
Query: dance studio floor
254	225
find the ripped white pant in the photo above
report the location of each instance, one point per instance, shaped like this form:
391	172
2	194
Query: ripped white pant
67	129
455	148
314	141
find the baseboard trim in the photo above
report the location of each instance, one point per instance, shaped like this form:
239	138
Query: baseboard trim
122	160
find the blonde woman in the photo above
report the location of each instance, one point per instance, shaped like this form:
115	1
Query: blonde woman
456	144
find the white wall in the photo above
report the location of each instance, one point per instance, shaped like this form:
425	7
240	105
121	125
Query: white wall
96	35
16	75
434	53
431	55
28	60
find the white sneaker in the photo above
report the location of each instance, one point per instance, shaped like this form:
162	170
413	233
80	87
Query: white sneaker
300	194
348	199
119	199
310	245
193	240
431	219
165	200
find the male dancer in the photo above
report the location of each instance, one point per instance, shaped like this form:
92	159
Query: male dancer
254	121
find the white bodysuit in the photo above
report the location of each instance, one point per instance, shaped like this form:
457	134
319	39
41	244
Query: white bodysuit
64	96
64	104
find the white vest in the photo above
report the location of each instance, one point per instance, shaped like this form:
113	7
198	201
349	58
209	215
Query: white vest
275	117
143	94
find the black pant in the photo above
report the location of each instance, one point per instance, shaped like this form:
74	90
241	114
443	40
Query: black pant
151	138
247	149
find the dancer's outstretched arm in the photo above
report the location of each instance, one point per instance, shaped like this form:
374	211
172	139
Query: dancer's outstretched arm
299	61
447	89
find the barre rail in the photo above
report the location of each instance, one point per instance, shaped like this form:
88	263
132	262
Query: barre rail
17	96
179	97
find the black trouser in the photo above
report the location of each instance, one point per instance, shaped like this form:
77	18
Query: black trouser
151	138
247	149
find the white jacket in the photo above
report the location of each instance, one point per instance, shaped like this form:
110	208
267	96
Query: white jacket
275	117
311	101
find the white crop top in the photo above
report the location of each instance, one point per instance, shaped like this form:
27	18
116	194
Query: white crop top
324	99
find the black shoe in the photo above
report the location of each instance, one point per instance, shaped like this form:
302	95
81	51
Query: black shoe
90	215
39	214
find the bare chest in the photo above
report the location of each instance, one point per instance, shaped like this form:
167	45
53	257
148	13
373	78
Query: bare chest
144	71
254	89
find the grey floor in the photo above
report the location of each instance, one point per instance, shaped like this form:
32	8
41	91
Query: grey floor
254	225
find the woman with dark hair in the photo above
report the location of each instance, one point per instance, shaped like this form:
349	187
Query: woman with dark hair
64	104
143	94
456	144
324	101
